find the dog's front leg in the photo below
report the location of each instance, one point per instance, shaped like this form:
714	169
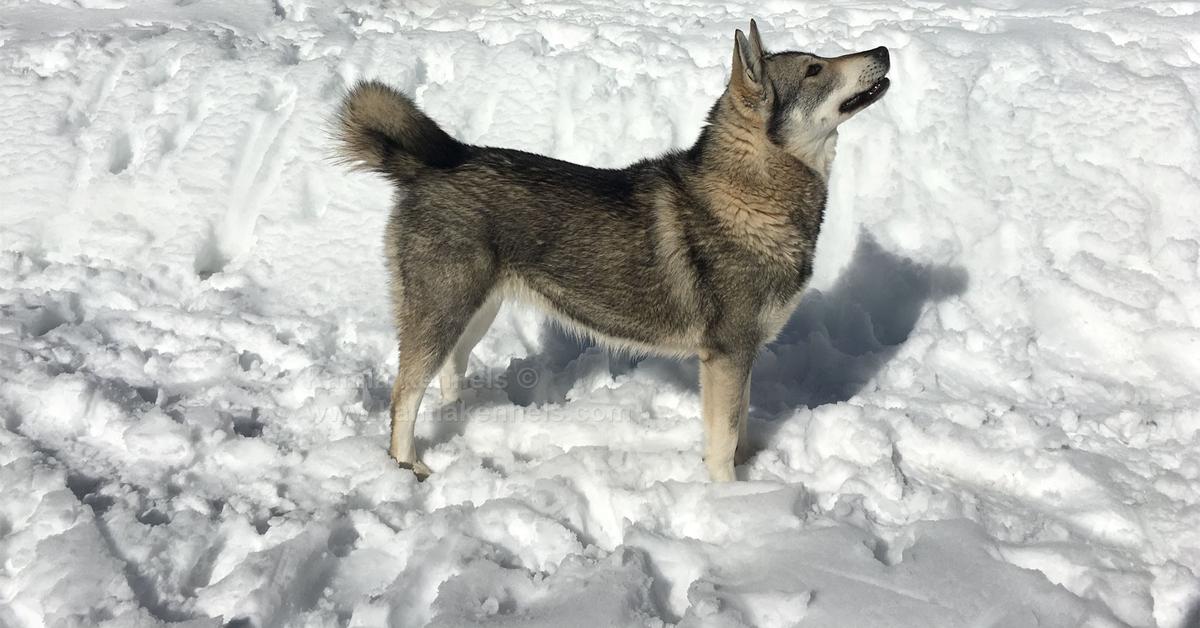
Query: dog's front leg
724	400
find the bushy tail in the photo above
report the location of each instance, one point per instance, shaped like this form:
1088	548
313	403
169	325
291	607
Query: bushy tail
381	130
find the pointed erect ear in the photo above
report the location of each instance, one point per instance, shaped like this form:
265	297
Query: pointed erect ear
747	66
756	45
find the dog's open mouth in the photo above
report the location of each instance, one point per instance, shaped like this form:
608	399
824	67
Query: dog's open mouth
866	97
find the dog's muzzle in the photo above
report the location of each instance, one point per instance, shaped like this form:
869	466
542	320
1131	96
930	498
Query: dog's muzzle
878	69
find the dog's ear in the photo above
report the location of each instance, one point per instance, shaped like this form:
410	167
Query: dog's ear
747	73
756	46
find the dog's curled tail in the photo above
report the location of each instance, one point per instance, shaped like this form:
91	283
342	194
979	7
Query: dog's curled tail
380	129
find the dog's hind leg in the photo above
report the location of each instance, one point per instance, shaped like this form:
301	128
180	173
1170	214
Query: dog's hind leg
432	315
411	380
455	367
724	400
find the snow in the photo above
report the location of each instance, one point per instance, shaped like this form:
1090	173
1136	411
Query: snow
984	412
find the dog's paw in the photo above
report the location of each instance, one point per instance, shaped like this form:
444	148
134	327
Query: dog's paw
418	468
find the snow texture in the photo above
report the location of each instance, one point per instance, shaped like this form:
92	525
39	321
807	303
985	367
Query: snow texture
986	411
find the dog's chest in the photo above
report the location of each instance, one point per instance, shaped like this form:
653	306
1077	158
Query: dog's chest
779	284
763	295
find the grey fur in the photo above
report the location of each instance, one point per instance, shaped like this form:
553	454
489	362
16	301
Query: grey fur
699	252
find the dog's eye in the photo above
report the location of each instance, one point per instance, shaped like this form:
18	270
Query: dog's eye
813	70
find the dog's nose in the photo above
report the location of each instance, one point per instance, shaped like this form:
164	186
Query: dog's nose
880	54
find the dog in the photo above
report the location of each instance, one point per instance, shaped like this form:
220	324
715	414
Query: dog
699	252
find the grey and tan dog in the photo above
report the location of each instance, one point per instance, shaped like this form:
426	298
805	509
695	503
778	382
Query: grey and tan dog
702	252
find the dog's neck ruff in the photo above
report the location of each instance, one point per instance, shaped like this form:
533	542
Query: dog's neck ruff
754	186
736	140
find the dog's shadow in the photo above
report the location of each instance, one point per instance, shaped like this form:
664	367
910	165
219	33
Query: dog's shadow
831	348
838	339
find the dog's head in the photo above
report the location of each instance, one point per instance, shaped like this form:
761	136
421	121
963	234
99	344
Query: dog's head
802	98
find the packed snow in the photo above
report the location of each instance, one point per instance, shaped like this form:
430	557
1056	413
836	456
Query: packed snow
986	411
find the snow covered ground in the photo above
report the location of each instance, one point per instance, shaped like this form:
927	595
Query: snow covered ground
986	411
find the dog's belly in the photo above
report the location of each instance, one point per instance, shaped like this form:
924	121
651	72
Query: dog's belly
641	320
